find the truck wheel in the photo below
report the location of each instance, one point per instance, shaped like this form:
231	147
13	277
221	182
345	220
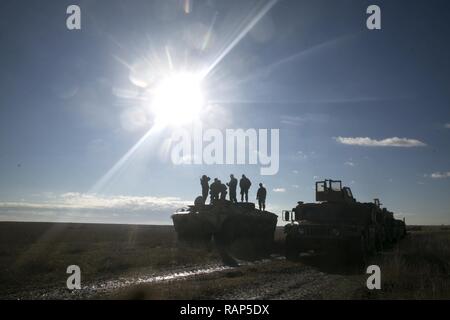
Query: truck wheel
362	255
379	244
291	252
359	252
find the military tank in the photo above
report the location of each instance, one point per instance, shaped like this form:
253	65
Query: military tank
224	223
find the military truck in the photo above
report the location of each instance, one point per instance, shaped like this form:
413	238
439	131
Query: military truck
336	223
225	222
393	229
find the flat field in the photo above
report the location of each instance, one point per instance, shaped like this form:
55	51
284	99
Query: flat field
147	262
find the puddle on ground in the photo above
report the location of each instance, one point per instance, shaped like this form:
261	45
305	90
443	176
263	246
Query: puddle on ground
125	282
110	285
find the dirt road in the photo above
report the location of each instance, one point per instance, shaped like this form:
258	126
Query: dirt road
273	278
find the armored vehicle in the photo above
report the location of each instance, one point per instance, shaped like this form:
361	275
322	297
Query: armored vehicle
393	229
336	223
225	222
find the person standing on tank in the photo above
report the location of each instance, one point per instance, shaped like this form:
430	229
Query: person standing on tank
244	184
261	197
214	190
232	185
204	182
222	190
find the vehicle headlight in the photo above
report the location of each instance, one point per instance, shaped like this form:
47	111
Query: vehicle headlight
301	231
335	232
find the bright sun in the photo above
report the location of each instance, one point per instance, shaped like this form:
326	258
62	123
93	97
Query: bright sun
178	99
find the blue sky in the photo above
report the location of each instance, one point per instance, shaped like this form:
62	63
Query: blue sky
71	103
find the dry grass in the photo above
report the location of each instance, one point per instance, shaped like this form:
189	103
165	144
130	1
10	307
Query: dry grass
36	255
418	268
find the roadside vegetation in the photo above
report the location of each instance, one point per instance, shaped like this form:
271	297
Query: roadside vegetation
36	256
417	268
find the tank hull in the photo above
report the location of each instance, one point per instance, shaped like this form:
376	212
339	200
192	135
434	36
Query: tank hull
225	223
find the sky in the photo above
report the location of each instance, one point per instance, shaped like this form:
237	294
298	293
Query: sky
80	140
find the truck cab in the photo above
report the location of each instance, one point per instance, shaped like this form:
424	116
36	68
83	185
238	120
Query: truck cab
332	191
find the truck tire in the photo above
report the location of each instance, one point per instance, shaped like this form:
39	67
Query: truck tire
358	252
379	244
291	251
363	251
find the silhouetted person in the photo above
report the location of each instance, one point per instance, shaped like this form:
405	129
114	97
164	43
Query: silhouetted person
199	202
214	190
204	181
244	184
232	185
261	197
223	191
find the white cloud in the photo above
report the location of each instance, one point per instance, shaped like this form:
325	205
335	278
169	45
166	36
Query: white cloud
295	172
81	207
438	175
279	190
349	163
388	142
302	155
306	118
305	155
292	120
447	125
296	186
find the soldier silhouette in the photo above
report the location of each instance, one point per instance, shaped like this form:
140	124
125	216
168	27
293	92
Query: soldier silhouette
261	197
244	184
204	182
214	190
232	185
222	190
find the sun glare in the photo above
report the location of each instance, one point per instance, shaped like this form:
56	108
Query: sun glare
178	99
